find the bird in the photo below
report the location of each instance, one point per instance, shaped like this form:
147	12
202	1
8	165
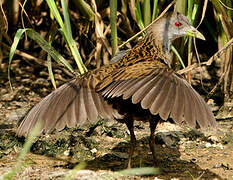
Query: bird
138	85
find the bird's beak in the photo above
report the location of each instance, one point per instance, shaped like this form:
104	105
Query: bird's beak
195	33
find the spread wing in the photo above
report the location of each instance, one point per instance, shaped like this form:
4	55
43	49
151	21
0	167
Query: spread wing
70	105
161	91
150	83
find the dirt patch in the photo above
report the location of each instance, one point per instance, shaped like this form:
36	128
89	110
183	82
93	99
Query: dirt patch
182	153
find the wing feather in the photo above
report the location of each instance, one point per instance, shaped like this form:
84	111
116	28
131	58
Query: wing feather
163	92
149	83
70	105
155	88
161	96
131	90
90	106
167	105
189	107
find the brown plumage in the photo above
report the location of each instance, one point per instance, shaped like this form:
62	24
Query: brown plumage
142	74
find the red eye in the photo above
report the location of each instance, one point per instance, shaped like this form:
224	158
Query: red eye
178	24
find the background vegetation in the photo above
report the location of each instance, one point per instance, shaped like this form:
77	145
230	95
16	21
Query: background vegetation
80	32
56	40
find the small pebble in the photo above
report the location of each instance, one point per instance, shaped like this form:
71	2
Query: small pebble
67	152
94	150
220	146
207	145
157	178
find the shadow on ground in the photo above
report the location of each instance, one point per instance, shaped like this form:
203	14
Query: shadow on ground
169	161
72	146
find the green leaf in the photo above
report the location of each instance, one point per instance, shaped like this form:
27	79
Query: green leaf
17	37
20	165
42	43
50	70
138	13
178	55
155	10
55	12
66	19
66	32
113	17
146	12
140	171
48	48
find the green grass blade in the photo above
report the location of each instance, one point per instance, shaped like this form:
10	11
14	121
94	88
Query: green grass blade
55	12
155	10
50	70
194	13
113	17
74	171
140	171
146	12
138	13
17	37
66	18
26	148
190	45
178	55
44	45
48	48
77	57
190	8
67	33
52	35
85	9
181	6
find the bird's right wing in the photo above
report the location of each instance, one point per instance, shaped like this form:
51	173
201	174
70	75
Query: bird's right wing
160	90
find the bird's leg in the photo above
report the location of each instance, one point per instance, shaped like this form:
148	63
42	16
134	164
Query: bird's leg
129	123
153	124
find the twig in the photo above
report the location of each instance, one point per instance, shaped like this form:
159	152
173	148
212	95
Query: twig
188	68
210	60
165	10
219	53
37	60
215	87
25	55
199	64
227	7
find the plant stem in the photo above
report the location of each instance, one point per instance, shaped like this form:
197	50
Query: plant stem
113	17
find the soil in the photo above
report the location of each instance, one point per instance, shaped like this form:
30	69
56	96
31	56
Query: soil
102	149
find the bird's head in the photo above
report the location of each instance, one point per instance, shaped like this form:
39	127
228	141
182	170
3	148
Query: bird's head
170	27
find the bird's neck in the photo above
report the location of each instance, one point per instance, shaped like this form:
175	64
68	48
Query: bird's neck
148	49
161	48
159	36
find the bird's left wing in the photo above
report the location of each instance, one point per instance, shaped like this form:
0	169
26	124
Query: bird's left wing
72	104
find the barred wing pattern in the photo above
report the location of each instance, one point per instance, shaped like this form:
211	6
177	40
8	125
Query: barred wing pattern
69	105
163	92
150	83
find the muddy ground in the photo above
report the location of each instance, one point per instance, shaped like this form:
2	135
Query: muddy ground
182	153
